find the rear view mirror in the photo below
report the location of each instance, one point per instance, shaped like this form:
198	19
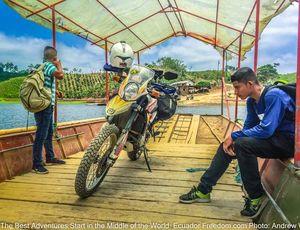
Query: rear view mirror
170	75
157	74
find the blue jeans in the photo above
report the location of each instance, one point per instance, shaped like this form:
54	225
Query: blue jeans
43	136
247	149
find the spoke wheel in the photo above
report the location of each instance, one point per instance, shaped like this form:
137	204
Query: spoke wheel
93	166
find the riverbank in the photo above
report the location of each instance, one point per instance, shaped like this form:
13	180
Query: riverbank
17	101
211	98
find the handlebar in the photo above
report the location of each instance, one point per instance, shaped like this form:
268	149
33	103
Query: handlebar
167	89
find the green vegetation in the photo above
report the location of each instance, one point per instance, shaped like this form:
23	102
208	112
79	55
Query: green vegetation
168	63
84	85
268	73
10	88
289	77
76	85
203	83
9	70
9	100
72	102
212	76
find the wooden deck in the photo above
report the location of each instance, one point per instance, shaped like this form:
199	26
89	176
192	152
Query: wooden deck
130	196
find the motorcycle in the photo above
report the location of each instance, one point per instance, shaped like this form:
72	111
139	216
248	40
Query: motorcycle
131	114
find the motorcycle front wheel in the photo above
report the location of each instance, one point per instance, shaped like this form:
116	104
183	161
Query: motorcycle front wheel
93	166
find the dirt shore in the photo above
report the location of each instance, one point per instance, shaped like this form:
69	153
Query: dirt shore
211	98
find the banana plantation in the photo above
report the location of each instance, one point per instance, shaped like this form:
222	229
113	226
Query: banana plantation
84	85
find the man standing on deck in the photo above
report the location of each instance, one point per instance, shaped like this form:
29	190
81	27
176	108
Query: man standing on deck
268	132
44	119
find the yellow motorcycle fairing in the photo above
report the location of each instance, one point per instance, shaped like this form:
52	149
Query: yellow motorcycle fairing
117	106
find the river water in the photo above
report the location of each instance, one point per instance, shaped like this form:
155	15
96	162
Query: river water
13	115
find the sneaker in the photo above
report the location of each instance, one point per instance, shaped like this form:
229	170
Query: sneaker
253	207
194	196
55	161
40	170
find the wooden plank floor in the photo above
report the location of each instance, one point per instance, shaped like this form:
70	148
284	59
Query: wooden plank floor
130	195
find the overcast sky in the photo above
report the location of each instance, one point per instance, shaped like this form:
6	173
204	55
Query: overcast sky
22	41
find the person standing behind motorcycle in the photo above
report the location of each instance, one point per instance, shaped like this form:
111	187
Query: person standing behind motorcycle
44	119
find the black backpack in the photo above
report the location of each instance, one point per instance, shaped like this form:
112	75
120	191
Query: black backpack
166	107
289	89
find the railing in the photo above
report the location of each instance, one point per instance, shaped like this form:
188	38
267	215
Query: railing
16	144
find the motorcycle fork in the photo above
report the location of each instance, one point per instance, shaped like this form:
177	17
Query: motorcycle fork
122	139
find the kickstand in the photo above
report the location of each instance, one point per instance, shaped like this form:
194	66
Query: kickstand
153	135
145	151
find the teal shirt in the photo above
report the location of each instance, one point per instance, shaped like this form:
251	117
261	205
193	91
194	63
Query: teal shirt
48	70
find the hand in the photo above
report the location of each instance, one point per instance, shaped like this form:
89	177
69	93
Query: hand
56	62
117	78
59	94
228	146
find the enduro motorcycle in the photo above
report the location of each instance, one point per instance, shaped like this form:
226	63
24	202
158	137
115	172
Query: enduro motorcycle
131	114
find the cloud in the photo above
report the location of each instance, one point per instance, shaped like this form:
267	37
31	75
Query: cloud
24	51
282	30
278	42
285	23
195	54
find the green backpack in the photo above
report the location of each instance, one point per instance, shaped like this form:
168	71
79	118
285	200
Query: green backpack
34	96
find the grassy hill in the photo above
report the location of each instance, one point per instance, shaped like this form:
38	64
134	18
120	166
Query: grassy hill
74	86
289	77
215	76
10	88
4	76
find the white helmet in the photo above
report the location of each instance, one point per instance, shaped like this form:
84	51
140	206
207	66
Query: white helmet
121	55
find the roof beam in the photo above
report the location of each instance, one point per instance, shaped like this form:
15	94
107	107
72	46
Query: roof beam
257	20
188	34
184	30
280	6
173	8
198	37
75	23
45	8
249	20
121	22
251	12
157	42
212	21
144	19
216	27
48	20
167	17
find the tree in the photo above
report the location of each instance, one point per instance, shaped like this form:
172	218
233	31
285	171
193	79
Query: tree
8	66
74	70
231	68
1	67
203	83
267	72
30	67
15	69
168	63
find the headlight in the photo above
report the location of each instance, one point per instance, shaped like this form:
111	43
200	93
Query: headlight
131	91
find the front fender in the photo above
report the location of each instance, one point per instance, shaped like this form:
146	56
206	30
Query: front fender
117	106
